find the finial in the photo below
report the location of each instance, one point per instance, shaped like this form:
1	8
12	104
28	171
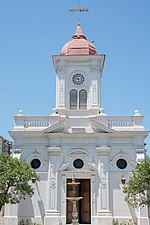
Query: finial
137	113
79	10
20	113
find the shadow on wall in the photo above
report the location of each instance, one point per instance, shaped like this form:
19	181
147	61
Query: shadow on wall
40	204
133	214
25	209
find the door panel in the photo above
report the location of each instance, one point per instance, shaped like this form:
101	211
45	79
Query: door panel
85	209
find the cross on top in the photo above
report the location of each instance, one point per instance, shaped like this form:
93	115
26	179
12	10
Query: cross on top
79	10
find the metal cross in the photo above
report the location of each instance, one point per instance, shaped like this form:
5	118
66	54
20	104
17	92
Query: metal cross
79	10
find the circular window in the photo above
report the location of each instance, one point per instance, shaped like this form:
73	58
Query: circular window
78	163
35	163
78	79
121	163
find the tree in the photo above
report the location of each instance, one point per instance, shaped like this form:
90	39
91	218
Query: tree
14	180
138	186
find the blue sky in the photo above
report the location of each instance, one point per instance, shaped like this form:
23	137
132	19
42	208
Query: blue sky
31	31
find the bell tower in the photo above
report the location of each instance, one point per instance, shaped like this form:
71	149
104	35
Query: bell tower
78	77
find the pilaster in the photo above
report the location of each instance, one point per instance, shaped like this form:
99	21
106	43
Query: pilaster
60	86
103	171
52	212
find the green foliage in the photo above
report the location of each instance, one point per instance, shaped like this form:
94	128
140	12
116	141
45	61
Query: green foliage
14	180
137	189
116	222
28	222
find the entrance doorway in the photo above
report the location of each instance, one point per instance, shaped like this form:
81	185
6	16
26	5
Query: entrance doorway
83	205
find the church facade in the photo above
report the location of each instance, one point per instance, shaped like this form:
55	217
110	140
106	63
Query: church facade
78	140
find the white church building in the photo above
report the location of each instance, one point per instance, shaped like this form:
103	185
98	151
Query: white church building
78	139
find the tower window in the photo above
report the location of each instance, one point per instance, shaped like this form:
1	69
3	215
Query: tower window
82	99
73	99
78	100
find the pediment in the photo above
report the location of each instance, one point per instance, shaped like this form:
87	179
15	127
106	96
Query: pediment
67	167
55	128
100	128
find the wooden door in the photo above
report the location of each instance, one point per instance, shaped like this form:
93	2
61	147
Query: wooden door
84	205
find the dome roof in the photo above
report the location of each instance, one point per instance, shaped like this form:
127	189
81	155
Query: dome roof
78	45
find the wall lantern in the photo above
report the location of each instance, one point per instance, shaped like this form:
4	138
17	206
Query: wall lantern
123	180
33	180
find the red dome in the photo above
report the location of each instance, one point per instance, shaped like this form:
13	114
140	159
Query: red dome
78	45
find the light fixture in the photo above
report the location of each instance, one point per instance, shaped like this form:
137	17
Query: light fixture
33	180
123	180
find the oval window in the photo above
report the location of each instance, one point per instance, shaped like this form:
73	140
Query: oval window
121	163
78	163
35	163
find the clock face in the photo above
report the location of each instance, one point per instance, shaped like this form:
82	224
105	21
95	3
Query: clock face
78	79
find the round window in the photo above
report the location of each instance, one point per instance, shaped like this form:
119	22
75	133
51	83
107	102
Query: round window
35	163
121	163
78	163
78	79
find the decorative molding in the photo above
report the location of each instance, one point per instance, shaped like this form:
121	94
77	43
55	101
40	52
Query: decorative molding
103	183
38	156
78	152
140	154
78	130
68	168
53	183
60	69
123	155
140	150
16	152
54	151
100	127
103	151
58	126
95	68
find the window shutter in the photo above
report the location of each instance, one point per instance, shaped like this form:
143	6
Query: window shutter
83	99
73	99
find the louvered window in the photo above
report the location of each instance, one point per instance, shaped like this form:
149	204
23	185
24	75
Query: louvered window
83	99
73	99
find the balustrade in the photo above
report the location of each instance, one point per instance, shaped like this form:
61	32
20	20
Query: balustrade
121	123
36	123
114	121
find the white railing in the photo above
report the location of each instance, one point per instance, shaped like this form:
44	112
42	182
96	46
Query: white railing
40	121
46	121
120	122
36	123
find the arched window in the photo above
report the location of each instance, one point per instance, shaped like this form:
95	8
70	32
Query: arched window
73	99
83	99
